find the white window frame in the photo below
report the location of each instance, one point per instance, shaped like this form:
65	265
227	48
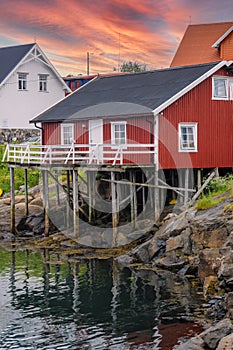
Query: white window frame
113	131
43	82
227	88
22	81
230	88
180	143
63	126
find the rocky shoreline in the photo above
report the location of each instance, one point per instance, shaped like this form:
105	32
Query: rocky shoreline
194	242
198	243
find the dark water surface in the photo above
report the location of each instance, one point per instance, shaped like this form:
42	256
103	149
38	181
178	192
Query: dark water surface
91	304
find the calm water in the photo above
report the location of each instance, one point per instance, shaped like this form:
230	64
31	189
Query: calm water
91	304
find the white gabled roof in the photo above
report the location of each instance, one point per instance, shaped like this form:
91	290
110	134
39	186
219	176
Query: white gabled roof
26	54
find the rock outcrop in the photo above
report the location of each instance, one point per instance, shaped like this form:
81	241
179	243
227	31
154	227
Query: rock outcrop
198	243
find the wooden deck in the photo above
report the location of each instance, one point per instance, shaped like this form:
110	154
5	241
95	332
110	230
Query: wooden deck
81	154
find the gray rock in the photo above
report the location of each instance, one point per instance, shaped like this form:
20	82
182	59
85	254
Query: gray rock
180	242
214	334
195	343
141	253
209	263
226	343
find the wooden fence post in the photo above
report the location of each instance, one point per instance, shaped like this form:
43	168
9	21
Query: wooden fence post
12	190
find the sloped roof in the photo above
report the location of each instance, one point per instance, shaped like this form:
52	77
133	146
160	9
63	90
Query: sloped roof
196	46
130	94
10	57
223	37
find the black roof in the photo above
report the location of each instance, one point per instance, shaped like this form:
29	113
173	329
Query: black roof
10	56
128	94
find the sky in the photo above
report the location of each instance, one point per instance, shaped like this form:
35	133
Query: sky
111	31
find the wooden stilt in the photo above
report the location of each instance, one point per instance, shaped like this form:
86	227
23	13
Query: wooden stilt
156	194
90	193
57	188
181	185
75	203
118	198
135	204
131	199
199	178
68	223
173	183
26	191
12	191
114	209
143	195
46	200
186	186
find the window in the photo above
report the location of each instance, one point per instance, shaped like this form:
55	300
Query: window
188	137
22	81
222	88
119	133
67	134
43	82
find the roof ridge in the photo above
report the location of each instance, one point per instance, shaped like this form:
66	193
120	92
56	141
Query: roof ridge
162	69
211	23
16	46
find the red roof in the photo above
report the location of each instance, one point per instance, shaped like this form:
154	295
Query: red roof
196	45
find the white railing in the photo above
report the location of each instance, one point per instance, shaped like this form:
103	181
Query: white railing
80	154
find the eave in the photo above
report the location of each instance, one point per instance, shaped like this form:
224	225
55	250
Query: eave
191	86
218	42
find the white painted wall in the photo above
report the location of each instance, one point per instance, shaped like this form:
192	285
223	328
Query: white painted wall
18	107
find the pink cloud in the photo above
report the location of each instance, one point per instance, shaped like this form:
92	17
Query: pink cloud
147	31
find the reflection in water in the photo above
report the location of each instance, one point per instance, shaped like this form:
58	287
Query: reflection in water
90	304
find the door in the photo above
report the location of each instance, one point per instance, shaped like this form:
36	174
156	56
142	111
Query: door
96	139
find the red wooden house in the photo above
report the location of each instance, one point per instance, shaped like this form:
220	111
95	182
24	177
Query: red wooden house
138	127
175	118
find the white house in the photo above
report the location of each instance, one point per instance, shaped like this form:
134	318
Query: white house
29	84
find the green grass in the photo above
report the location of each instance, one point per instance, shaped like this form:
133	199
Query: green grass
214	190
33	175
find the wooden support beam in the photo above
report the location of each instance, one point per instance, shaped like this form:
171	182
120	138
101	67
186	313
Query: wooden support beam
91	194
75	204
57	187
174	189
132	217
81	177
135	204
148	185
186	185
46	200
68	223
201	189
26	191
114	209
12	192
199	178
143	195
156	194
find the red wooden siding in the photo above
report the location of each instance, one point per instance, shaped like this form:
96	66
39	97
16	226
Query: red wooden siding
51	133
214	130
138	130
214	120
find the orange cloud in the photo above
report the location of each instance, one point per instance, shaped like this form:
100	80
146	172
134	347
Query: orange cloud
113	30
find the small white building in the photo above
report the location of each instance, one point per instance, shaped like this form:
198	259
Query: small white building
29	84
